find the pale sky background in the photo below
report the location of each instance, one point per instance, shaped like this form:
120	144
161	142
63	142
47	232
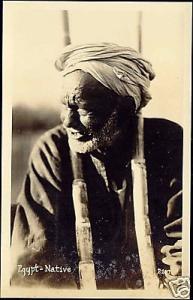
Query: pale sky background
33	38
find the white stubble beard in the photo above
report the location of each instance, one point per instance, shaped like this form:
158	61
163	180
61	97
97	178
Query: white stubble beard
102	139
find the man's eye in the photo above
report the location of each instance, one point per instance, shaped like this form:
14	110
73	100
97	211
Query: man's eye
83	112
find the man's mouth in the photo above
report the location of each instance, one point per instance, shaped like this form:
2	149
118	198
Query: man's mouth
78	135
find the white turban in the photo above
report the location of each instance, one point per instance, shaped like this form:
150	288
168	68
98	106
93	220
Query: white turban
118	68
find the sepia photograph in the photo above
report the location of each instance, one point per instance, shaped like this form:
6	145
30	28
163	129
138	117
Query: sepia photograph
96	135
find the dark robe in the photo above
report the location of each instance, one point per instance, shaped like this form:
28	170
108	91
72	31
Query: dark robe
44	225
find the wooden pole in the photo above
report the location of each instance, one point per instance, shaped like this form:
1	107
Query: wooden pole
80	201
141	211
66	29
140	199
140	31
83	226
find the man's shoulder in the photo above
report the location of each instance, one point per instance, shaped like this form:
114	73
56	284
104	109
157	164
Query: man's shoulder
159	129
52	141
56	133
163	143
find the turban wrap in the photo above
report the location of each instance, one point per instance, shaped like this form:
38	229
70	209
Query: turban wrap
118	68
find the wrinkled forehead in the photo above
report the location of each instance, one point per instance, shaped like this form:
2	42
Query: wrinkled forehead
83	85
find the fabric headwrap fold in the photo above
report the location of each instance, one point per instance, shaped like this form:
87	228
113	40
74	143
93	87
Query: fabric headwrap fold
121	69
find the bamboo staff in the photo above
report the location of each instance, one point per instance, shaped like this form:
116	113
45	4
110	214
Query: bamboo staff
140	198
80	201
141	211
66	29
83	227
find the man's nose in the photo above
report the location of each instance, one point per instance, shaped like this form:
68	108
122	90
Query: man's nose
70	118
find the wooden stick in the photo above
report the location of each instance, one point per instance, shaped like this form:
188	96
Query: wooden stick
83	227
141	213
140	32
66	29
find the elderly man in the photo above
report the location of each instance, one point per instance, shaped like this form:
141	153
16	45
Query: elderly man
104	88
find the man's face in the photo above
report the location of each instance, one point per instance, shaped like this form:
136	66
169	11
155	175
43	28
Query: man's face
89	113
